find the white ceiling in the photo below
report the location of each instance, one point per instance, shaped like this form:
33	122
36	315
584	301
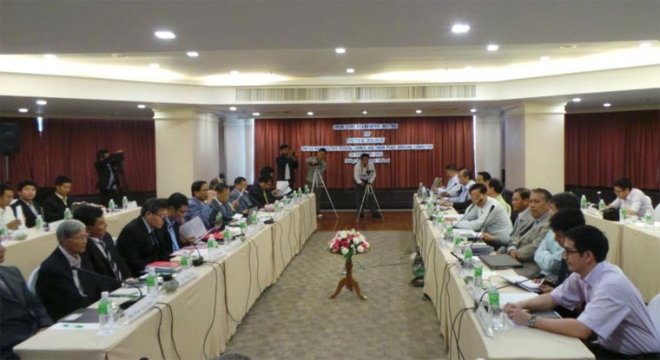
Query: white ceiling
295	39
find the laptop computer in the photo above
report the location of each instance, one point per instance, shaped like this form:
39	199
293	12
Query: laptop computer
500	261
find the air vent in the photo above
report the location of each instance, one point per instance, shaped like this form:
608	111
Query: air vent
367	93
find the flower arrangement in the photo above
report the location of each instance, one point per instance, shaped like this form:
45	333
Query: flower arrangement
348	243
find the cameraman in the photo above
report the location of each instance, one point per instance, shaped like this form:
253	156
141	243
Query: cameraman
314	164
108	183
364	173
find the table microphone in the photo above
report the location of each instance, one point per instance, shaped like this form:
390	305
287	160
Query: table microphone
200	260
126	304
96	274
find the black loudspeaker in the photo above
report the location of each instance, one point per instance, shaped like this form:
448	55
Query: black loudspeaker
10	138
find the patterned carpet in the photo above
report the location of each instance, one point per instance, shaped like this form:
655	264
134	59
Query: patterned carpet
295	319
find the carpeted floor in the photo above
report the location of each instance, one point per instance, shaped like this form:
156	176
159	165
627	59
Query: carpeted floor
295	319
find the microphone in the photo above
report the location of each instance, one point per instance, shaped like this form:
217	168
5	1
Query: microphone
200	260
126	304
111	278
486	218
467	211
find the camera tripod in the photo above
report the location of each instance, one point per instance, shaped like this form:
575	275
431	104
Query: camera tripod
369	190
318	179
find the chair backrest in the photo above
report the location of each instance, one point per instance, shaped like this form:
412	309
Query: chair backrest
656	213
32	280
654	311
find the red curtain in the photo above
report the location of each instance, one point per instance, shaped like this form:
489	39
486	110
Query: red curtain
603	147
452	139
68	147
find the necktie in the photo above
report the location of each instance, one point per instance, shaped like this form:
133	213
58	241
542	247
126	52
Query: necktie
170	230
112	262
152	236
265	197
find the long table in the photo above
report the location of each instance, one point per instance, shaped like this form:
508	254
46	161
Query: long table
450	297
28	254
203	314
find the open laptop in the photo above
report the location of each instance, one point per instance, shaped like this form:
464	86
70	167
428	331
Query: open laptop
500	261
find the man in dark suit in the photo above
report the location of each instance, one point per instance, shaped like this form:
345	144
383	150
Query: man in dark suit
21	312
287	163
260	193
140	241
62	288
239	193
27	191
221	206
101	250
57	203
108	183
177	207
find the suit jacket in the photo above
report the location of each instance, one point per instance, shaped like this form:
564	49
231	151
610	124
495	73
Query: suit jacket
527	244
224	209
282	161
257	196
30	216
58	291
108	179
100	262
54	208
168	247
198	208
21	312
244	202
135	244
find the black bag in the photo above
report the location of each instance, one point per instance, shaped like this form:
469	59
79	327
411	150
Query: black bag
611	214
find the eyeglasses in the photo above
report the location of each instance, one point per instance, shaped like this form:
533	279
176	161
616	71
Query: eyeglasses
567	252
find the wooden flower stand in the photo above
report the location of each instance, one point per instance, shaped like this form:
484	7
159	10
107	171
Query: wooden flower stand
349	282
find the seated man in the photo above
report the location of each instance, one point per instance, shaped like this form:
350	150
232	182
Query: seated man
614	313
520	216
101	250
461	201
523	247
21	312
223	210
483	177
487	216
495	188
239	193
453	186
7	217
261	194
66	279
57	203
549	254
177	206
27	190
197	206
140	241
632	199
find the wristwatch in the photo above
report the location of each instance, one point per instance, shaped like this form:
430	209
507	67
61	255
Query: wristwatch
531	322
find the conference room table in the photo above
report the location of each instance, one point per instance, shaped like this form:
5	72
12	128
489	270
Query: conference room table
198	319
454	305
28	254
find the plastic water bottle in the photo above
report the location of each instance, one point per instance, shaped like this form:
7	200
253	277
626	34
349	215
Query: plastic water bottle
111	205
583	202
494	310
253	218
478	276
622	214
648	219
105	313
601	205
468	266
4	233
243	228
67	214
226	235
152	283
419	189
211	245
185	260
124	202
306	189
39	223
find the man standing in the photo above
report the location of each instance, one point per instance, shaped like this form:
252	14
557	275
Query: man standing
57	203
21	312
27	191
286	164
486	215
7	217
197	206
108	182
239	193
364	174
316	165
633	200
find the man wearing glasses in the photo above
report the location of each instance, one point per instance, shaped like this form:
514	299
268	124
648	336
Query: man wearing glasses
614	314
633	200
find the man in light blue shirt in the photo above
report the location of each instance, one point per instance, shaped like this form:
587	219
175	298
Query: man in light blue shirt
197	205
464	181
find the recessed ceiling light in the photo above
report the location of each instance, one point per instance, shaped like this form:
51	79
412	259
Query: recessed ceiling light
164	35
50	57
340	50
350	70
459	28
256	113
42	102
645	45
607	105
192	54
418	111
310	113
576	100
473	110
23	110
234	72
492	47
233	108
141	106
568	46
154	66
364	112
544	58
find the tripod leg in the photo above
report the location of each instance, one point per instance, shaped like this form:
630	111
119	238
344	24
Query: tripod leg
377	205
327	194
364	197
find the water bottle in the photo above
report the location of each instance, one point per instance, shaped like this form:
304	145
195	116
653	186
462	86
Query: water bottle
152	283
306	189
478	275
622	214
185	260
583	202
4	233
39	223
468	269
648	219
67	214
111	205
243	228
105	313
449	233
226	235
601	205
457	243
419	189
496	314
124	202
253	218
211	245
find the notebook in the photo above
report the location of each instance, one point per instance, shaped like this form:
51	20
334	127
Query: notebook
500	261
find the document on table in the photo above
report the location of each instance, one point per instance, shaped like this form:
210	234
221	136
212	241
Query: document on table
193	229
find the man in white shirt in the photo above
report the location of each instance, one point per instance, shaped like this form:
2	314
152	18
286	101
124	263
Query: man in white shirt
633	200
364	173
461	201
453	186
7	217
486	215
495	188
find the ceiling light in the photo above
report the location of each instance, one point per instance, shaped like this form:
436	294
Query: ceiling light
234	72
42	102
164	35
350	70
340	50
473	110
192	54
22	110
576	100
256	113
154	66
418	111
233	108
50	57
460	28
310	113
141	106
607	105
544	58
364	112
492	47
645	45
